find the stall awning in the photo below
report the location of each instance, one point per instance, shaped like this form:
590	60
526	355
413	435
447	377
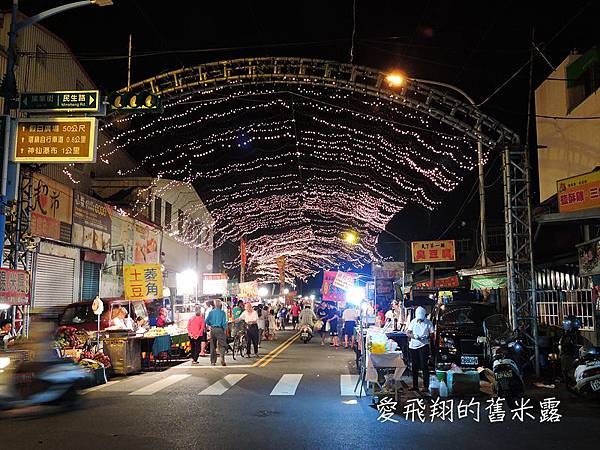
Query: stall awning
488	281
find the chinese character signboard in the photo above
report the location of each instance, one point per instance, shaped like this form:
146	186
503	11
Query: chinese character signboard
344	280
14	287
589	258
432	251
51	209
329	290
92	221
248	289
580	192
214	283
447	282
142	281
60	101
56	140
389	269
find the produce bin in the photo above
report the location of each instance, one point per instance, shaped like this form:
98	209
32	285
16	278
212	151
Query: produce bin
463	383
124	354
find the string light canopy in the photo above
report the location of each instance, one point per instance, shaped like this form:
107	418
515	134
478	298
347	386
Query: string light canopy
293	166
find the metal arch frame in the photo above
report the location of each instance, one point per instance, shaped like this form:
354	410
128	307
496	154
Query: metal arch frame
464	117
421	97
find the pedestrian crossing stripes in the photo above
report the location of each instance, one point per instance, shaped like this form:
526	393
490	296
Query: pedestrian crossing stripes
160	385
287	384
222	386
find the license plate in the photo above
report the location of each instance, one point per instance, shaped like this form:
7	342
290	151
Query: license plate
304	335
595	384
469	360
504	374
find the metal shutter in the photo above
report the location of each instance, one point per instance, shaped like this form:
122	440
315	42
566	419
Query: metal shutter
53	283
90	286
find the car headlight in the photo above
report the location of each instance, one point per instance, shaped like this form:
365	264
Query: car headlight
4	362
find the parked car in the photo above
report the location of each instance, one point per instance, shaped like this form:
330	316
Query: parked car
459	334
81	316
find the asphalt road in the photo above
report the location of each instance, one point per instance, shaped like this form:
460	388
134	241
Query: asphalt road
293	400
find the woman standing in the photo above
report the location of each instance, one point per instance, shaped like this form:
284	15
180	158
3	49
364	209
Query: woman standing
251	318
196	330
261	322
272	324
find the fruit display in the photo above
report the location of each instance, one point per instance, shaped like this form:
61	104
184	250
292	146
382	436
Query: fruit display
155	331
70	337
99	357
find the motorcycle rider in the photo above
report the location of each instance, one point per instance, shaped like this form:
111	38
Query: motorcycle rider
307	317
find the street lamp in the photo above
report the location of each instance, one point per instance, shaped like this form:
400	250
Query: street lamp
393	78
263	291
286	291
351	237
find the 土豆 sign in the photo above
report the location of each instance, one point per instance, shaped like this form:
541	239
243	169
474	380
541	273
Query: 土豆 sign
56	140
60	101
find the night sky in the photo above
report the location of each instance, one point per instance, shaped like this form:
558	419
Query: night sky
475	45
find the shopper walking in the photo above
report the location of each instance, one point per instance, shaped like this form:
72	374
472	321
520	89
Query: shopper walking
349	318
283	317
217	321
272	324
261	322
251	318
322	313
196	330
419	331
332	319
295	311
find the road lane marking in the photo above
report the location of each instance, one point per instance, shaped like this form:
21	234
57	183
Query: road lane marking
287	385
222	386
274	355
228	366
348	385
264	358
160	384
102	386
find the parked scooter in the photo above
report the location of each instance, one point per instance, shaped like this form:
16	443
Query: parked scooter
503	349
306	333
580	362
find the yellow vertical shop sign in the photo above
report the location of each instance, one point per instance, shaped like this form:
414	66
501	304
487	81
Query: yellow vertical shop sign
142	281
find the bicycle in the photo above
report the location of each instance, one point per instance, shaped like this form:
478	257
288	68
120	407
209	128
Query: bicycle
240	343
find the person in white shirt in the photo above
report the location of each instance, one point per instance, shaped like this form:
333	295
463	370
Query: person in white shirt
419	331
251	318
349	318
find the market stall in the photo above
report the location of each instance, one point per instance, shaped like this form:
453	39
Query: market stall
381	363
162	344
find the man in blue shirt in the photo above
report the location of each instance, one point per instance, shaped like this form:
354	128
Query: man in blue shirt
217	321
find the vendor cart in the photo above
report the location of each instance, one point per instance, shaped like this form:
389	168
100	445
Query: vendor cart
124	351
384	374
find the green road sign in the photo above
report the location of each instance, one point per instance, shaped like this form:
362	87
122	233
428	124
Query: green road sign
60	101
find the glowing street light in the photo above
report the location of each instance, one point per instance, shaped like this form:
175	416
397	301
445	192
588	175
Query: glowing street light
312	296
351	237
286	291
355	295
395	79
263	291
